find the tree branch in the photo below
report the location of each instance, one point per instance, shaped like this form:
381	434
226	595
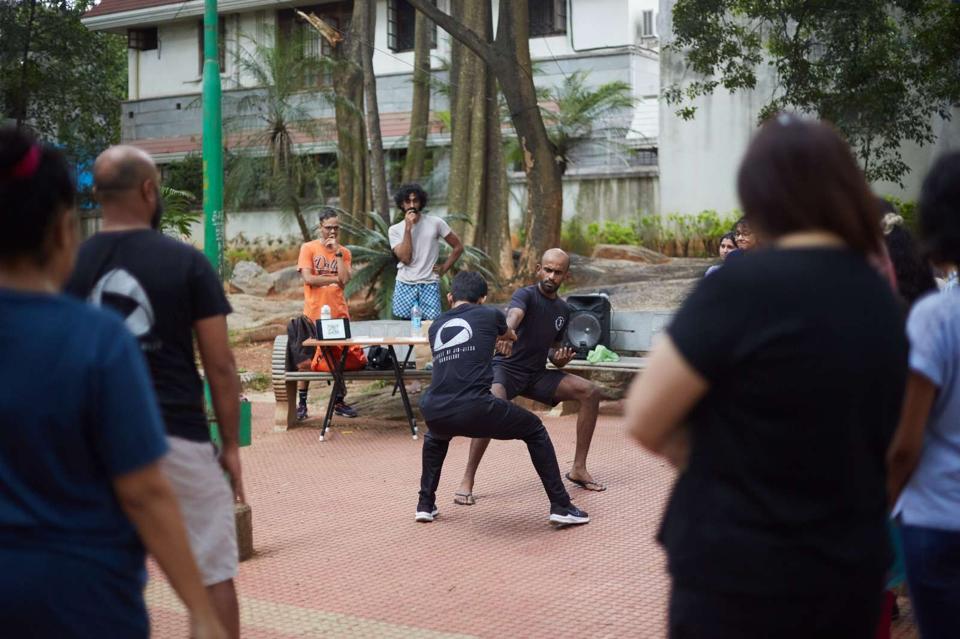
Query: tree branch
462	33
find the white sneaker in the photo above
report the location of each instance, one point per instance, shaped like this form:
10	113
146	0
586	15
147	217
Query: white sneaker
426	516
568	516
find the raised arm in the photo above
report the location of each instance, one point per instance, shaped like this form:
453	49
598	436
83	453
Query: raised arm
660	398
221	373
147	499
505	341
404	250
310	276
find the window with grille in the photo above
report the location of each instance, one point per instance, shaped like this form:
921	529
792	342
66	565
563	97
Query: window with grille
221	45
647	23
547	17
142	39
401	26
292	29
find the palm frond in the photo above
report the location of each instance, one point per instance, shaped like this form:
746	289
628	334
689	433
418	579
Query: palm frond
368	254
364	277
179	214
581	110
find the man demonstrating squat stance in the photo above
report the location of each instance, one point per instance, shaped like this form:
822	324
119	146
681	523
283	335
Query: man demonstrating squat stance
459	402
539	317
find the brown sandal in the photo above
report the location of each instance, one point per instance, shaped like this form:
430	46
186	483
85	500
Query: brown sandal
587	485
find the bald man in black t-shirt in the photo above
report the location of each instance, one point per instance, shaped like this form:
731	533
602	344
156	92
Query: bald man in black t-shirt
539	316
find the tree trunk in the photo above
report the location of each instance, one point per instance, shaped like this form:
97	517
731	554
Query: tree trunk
508	57
420	113
301	222
24	99
543	172
352	172
378	165
494	233
477	187
464	74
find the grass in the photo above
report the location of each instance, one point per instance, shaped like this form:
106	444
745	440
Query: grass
260	383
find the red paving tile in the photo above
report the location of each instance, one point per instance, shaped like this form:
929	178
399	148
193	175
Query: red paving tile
338	552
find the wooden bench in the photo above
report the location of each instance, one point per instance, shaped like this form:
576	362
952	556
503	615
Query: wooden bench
285	382
625	365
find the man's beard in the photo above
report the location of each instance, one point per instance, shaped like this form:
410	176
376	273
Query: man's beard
157	214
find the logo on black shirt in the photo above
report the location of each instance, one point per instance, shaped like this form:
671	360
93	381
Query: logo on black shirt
559	322
463	335
121	291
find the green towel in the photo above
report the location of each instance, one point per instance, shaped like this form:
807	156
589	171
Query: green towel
602	354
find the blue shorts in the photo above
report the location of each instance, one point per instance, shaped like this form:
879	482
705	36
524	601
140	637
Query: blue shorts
426	296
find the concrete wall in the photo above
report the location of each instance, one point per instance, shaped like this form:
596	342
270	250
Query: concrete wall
597	197
699	158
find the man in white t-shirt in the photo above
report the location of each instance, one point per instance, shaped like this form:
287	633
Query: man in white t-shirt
415	241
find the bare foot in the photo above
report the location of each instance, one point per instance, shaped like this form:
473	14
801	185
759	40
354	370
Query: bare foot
585	481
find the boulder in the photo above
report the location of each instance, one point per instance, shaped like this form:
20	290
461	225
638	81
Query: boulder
629	252
250	278
594	272
286	279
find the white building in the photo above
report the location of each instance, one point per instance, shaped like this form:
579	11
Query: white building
611	39
698	158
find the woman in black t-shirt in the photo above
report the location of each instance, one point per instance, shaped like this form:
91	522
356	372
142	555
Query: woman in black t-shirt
775	392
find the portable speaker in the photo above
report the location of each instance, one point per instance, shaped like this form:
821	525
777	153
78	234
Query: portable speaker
589	323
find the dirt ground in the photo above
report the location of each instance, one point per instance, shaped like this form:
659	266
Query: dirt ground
254	357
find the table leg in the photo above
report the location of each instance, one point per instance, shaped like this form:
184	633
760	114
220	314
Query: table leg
337	372
398	372
405	360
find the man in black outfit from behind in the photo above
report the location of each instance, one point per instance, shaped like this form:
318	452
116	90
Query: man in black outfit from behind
459	401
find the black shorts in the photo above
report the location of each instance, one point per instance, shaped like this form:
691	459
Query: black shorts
540	386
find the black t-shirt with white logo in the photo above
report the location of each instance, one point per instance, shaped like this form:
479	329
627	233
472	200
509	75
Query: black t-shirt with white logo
160	286
544	324
462	341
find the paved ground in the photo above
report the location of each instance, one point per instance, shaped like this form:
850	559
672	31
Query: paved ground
339	555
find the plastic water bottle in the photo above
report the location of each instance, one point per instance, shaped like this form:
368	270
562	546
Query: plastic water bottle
325	312
415	319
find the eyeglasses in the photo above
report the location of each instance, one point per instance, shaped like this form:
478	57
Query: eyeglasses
331	229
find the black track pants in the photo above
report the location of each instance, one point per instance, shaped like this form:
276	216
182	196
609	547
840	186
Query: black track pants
497	419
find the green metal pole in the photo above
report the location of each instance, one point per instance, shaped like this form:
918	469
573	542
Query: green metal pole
212	141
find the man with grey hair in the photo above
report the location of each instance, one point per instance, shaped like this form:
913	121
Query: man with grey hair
167	292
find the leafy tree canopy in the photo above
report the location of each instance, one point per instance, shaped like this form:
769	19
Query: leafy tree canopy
880	70
69	87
